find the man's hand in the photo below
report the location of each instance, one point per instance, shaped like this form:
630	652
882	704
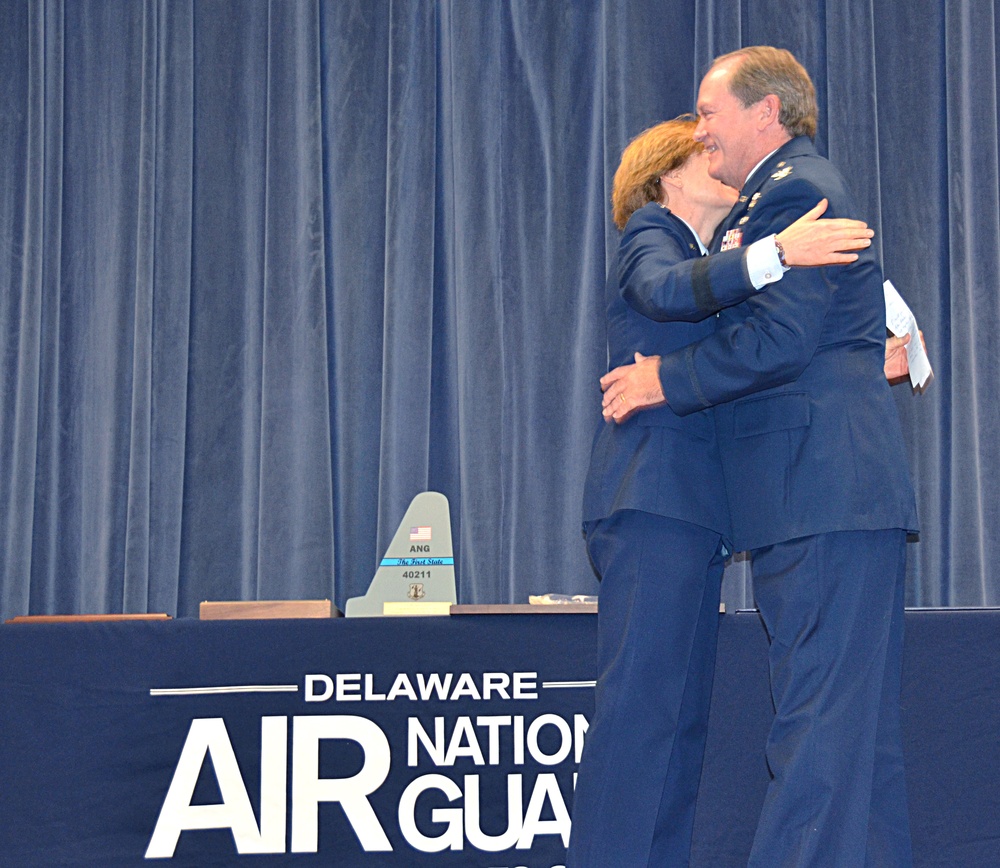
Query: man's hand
811	241
897	366
630	388
897	363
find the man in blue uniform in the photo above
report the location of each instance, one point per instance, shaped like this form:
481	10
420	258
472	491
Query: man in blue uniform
814	465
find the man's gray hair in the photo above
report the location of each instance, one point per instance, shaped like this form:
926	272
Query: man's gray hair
765	70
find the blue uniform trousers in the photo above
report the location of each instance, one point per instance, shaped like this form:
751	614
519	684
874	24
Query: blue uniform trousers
833	608
657	630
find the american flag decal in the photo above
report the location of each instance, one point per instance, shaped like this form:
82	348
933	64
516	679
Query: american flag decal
420	534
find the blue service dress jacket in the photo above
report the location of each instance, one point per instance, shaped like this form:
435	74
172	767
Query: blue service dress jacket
657	461
807	429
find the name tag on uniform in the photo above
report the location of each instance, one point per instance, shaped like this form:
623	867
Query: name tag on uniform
733	238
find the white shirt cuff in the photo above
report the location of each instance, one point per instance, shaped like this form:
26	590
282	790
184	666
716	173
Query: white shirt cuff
763	263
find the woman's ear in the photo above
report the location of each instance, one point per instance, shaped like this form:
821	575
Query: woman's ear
671	181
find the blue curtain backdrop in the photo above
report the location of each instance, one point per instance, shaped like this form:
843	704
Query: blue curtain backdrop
269	269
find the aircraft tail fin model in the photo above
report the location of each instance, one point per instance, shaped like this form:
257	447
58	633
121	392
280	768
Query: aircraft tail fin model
419	565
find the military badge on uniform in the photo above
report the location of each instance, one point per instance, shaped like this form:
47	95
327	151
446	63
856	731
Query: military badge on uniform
732	238
782	173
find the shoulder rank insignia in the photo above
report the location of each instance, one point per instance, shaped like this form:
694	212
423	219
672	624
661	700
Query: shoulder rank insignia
782	173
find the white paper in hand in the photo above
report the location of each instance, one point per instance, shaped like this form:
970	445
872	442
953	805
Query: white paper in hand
899	319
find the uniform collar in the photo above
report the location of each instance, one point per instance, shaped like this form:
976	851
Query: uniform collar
797	147
694	234
688	228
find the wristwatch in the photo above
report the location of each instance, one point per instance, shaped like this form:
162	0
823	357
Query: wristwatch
781	252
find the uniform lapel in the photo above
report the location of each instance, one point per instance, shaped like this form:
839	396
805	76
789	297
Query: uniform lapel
769	167
689	236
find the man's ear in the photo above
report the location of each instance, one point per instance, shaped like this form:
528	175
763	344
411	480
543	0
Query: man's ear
768	111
